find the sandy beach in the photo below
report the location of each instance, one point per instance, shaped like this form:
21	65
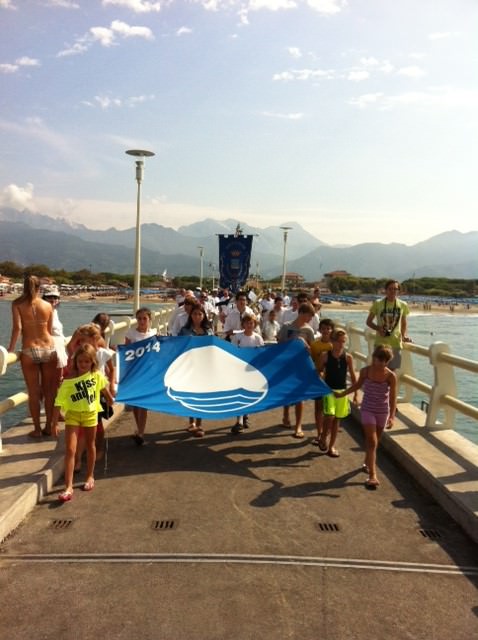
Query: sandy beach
334	305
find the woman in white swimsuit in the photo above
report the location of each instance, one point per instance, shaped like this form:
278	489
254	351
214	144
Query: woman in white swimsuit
32	318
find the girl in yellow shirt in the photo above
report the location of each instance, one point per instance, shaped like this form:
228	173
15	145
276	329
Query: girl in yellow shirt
78	398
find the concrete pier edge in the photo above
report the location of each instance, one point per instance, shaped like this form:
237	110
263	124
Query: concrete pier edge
442	462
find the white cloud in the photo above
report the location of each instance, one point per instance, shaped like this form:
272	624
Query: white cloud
329	7
183	31
36	129
283	116
103	35
64	4
7	67
25	61
138	6
7	4
106	36
358	76
411	72
433	97
303	75
443	35
366	100
295	52
18	198
127	31
386	67
271	5
369	62
107	102
81	46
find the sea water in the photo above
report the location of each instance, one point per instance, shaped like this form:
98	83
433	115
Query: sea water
458	330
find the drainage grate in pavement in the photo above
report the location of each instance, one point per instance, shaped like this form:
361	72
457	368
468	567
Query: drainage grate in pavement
164	525
328	526
431	534
61	525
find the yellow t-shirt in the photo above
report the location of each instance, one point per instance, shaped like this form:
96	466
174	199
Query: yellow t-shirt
317	348
81	393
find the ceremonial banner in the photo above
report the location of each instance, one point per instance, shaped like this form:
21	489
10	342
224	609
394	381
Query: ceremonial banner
234	261
207	377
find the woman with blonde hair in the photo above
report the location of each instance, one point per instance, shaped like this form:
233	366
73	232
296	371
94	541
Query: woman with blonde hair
32	318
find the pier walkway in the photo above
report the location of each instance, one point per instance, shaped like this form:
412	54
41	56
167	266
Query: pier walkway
229	537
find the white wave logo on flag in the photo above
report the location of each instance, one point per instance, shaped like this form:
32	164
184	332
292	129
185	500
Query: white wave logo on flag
200	379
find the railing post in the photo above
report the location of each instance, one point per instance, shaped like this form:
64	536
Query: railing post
119	332
355	344
370	338
3	370
406	368
444	383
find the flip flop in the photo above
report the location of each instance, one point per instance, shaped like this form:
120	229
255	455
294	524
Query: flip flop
333	453
322	446
35	435
315	442
65	496
89	486
192	428
299	434
138	439
371	484
198	433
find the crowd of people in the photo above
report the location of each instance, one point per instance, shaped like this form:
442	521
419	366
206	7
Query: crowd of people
76	382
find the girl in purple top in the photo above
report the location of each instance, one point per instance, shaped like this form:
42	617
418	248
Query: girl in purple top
378	406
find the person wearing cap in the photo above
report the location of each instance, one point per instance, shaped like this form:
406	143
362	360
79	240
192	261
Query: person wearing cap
51	294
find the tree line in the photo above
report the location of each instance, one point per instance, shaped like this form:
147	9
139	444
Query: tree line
348	285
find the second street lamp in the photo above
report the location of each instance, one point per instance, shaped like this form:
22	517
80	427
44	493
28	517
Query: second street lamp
201	272
286	231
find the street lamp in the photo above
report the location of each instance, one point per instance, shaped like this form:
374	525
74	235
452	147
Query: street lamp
286	231
212	266
139	153
201	273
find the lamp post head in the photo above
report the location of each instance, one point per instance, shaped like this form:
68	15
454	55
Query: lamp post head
140	154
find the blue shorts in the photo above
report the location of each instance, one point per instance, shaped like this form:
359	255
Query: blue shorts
337	407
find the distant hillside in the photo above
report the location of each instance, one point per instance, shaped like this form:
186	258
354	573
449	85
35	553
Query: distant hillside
451	254
28	238
59	250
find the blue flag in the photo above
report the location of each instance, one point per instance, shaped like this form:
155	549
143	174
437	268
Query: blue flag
234	261
207	377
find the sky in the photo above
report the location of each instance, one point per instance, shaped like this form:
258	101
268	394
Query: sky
356	119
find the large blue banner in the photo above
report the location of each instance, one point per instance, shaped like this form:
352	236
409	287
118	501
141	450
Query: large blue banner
208	377
234	261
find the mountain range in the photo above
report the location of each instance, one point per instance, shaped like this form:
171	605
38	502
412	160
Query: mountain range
33	238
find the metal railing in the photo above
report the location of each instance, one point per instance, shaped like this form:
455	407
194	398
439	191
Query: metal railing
443	402
115	334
